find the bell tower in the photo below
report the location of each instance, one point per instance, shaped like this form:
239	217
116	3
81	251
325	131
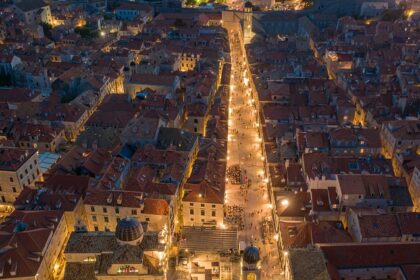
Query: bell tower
251	264
247	23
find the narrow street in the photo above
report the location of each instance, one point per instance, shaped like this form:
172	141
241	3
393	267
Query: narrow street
250	197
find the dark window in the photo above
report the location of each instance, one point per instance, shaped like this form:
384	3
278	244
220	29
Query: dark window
191	211
94	218
11	179
106	219
105	210
117	210
202	213
134	212
92	208
213	213
96	228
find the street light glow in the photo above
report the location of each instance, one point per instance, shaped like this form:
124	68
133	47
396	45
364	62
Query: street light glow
285	202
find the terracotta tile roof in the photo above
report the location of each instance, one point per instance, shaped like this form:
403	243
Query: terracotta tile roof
312	140
156	207
370	186
149	79
372	255
322	232
11	159
24	240
294	173
95	161
409	223
66	183
365	137
204	192
29	132
212	149
17	95
320	164
114	198
320	200
299	205
379	226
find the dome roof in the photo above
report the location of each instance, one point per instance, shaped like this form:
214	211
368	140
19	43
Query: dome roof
129	230
248	4
251	254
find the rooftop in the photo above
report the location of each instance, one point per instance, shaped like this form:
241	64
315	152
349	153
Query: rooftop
11	159
307	263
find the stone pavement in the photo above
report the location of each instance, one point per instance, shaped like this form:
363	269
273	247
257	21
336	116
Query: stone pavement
244	148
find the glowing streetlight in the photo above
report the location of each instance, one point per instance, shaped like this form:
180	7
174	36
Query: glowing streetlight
102	33
285	202
56	266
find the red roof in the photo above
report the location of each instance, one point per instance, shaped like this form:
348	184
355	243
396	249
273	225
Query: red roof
11	159
372	255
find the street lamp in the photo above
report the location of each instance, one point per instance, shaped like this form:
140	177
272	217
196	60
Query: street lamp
285	202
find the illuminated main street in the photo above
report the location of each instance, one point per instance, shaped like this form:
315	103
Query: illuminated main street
244	149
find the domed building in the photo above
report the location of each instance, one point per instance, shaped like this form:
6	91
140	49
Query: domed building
251	264
129	231
131	252
248	5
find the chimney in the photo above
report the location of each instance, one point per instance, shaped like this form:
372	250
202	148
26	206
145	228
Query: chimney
13	268
109	199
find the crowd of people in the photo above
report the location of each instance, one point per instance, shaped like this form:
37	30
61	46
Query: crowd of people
234	216
234	174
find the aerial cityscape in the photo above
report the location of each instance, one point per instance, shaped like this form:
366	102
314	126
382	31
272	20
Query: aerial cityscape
210	139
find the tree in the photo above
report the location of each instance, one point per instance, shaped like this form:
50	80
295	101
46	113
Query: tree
191	2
